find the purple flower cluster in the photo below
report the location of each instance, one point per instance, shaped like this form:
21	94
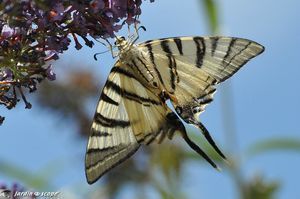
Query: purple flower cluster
34	32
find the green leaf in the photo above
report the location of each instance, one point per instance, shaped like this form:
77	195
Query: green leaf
212	14
274	144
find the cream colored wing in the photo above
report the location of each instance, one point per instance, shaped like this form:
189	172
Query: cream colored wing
221	57
128	114
190	67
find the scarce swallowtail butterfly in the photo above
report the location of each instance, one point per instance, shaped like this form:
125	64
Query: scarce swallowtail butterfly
132	109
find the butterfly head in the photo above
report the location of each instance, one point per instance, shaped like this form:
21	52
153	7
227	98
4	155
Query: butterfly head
121	43
125	47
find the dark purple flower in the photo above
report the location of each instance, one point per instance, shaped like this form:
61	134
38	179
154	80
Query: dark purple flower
6	74
119	8
50	74
109	14
51	55
97	5
57	13
58	44
7	31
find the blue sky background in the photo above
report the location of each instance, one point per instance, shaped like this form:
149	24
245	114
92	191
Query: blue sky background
266	99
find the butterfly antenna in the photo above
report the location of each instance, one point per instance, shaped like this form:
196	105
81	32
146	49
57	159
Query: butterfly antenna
137	33
142	27
197	149
96	54
209	138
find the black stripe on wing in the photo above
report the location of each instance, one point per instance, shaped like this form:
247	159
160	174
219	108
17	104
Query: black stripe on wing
147	137
179	45
200	47
99	150
172	63
110	122
129	95
214	44
165	46
90	166
228	52
236	55
95	133
134	65
149	47
107	99
250	57
119	70
143	65
239	53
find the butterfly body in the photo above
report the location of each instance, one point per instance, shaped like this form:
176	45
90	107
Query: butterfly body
132	109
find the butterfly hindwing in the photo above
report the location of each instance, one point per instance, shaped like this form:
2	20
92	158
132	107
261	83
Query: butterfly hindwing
112	139
128	115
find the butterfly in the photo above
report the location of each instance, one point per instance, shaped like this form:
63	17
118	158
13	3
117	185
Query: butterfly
132	109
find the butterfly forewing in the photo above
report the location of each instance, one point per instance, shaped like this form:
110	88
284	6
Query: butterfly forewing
128	114
112	139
